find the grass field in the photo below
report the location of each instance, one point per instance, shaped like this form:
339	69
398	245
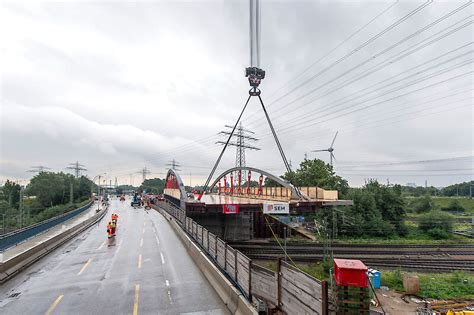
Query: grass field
443	202
451	285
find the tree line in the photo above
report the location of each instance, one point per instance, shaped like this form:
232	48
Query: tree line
379	210
47	194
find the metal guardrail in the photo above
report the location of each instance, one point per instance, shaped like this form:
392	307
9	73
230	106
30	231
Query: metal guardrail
13	238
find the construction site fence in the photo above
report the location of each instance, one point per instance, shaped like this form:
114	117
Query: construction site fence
288	289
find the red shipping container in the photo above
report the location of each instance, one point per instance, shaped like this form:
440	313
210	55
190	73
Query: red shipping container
350	273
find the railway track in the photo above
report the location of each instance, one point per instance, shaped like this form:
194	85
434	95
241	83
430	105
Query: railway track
416	257
347	245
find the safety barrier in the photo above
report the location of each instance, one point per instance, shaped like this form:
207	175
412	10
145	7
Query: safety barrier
289	289
16	237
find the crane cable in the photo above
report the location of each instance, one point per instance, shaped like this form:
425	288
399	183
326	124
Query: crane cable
255	75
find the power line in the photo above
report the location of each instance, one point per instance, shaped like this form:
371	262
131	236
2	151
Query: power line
241	136
387	62
335	48
357	49
364	74
38	169
310	123
174	165
144	171
77	168
410	114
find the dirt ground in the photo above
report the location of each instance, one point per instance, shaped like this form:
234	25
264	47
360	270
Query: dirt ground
393	304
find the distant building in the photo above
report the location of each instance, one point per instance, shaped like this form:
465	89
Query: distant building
411	185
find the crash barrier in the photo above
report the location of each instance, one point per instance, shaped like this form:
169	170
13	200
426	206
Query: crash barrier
16	237
289	289
11	267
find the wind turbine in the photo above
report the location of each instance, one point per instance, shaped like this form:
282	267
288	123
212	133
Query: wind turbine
330	150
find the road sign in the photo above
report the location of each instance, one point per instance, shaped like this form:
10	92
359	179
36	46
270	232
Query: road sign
277	208
230	209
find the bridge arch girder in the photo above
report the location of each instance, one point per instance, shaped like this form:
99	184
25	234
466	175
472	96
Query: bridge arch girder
174	176
277	179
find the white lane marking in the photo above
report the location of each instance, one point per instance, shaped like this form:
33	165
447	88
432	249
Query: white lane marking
85	266
169	297
55	303
157	240
101	245
162	258
141	242
167	283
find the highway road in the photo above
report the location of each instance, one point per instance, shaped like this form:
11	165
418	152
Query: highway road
145	271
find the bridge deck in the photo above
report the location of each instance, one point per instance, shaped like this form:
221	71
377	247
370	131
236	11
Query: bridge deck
216	199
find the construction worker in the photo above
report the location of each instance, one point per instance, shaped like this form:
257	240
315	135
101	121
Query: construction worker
114	218
110	230
113	227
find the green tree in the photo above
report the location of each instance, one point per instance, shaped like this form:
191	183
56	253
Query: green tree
268	182
422	205
153	185
461	189
454	206
317	173
390	203
11	193
436	220
51	189
5	207
366	217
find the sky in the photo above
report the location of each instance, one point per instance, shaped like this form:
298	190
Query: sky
123	85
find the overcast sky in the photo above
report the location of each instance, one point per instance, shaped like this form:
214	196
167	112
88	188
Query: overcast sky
120	85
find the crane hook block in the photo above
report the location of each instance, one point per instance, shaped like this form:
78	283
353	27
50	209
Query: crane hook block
255	75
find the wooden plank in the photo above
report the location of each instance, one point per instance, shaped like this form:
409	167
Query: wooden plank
308	284
212	245
242	258
300	290
230	259
243	280
259	268
221	253
301	294
205	239
292	305
264	284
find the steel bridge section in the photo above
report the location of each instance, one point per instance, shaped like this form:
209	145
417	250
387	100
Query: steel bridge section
282	182
182	190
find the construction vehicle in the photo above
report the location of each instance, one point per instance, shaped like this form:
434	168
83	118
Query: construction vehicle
136	200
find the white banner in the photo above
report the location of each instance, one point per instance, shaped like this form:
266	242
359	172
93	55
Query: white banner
277	208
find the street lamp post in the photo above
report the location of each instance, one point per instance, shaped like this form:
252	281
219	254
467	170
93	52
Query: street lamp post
98	187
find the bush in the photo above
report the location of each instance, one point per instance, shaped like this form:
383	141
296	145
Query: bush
438	233
423	204
402	229
436	220
454	206
393	279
